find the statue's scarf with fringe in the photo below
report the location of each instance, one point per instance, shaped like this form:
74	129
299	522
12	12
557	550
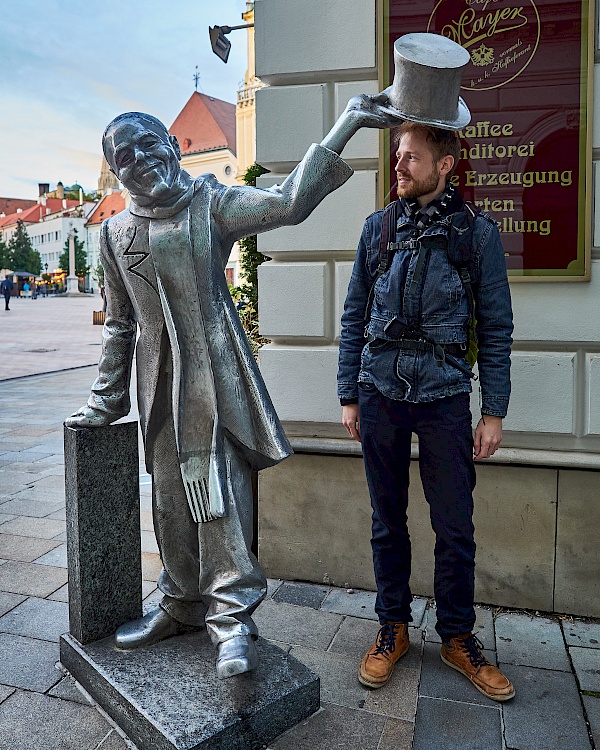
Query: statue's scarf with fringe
194	395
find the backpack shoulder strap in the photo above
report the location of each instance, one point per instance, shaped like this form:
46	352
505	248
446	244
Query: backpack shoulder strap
386	249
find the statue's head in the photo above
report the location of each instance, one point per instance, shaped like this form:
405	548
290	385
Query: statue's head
143	155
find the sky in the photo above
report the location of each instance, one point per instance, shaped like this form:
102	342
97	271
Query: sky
67	68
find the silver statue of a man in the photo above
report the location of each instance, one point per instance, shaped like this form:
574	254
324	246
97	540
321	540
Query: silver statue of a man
206	416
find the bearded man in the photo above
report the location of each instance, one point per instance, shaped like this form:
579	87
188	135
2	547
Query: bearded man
415	301
206	417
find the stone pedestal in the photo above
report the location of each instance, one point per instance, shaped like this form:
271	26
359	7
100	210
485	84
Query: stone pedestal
168	697
103	529
73	286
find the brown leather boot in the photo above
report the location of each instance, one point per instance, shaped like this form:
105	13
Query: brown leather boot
378	663
463	653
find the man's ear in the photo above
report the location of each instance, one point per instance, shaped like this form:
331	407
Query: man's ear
175	143
446	164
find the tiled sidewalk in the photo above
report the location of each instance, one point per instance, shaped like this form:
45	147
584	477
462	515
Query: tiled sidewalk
555	664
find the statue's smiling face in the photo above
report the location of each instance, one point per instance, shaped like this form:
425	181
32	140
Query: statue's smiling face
145	159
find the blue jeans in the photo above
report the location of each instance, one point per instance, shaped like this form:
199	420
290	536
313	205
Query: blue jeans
448	476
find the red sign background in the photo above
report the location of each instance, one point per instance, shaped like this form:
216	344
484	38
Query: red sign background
523	157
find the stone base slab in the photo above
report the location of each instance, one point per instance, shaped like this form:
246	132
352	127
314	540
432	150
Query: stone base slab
167	696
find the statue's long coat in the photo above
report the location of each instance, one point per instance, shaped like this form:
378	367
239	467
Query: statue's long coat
220	215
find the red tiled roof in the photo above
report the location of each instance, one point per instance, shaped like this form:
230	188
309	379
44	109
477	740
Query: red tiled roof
108	206
205	124
10	205
37	212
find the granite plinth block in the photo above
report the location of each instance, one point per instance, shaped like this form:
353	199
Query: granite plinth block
103	529
167	696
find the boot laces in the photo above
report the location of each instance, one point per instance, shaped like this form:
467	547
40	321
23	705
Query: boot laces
473	647
386	638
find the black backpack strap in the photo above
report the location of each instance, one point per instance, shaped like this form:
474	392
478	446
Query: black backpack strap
386	249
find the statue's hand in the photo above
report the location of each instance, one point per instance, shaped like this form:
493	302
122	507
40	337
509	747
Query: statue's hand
373	111
88	417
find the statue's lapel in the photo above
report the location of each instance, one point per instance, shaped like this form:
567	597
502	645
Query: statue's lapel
135	256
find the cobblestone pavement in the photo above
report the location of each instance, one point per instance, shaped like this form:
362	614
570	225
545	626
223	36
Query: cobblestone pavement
554	663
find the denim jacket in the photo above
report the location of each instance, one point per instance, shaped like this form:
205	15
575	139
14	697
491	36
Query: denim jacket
439	309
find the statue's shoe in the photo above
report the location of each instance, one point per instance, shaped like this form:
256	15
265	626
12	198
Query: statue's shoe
151	628
236	656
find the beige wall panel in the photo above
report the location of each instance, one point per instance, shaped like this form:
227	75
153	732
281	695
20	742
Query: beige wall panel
293	299
515	520
542	392
577	546
365	144
558	311
343	271
593	380
314	521
288	120
334	225
313	36
596	126
302	382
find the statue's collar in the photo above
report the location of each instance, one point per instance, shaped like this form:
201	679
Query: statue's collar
166	211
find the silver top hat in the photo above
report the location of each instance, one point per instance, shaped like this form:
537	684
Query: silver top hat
426	87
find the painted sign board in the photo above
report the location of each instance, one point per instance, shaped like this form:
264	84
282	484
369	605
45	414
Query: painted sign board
526	155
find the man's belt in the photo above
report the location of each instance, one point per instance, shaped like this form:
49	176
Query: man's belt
441	352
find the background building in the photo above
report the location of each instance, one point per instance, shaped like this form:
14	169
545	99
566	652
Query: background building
536	514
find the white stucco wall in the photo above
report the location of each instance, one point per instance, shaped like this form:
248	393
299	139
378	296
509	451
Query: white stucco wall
315	56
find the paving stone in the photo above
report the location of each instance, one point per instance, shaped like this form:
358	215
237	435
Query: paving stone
33	508
451	725
4	517
146	522
334	728
113	741
5	691
24	548
149	543
580	633
27	663
31	579
483	628
30	721
301	594
67	690
148	587
56	558
37	618
272	585
592	709
59	515
41	528
586	662
151	566
357	604
397	735
339	684
61	595
9	601
546	713
531	641
284	622
25	456
398	698
438	680
356	635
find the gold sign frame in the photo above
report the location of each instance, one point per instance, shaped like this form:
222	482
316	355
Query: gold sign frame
581	269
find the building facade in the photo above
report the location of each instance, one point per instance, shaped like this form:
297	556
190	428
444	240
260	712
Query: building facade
537	517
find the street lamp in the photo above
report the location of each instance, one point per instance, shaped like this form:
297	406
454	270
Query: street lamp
219	42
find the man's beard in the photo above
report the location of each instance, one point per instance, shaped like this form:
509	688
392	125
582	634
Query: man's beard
417	188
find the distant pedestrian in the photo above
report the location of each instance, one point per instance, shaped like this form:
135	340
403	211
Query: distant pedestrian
26	289
6	288
34	291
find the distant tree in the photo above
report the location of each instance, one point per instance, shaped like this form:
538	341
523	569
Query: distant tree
4	256
21	255
81	264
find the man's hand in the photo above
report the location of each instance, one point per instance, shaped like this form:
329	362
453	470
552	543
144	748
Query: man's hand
351	421
88	417
488	436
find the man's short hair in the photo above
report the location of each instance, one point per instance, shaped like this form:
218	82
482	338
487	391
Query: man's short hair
442	142
133	116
